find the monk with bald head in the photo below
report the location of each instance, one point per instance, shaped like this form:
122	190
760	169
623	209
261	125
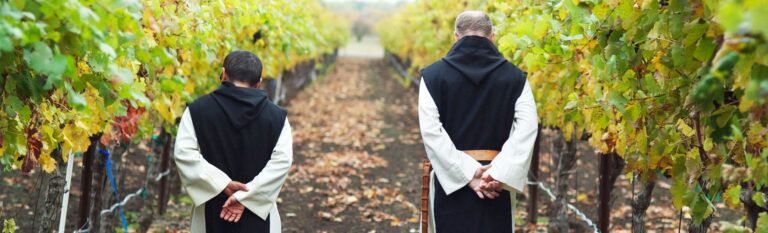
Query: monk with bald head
478	121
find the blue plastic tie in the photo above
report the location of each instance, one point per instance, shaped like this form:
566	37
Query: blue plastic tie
114	187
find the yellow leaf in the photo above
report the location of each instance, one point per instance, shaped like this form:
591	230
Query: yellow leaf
684	128
75	139
754	133
164	110
708	144
621	145
581	197
47	163
745	104
693	154
642	141
568	131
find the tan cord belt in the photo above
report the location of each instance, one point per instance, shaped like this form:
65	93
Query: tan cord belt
482	155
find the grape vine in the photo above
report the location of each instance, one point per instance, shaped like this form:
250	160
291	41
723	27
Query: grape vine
676	88
73	69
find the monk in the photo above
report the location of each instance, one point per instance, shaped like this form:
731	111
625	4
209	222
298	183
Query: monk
478	121
233	151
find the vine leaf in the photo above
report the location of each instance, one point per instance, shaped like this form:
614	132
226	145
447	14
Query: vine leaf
41	59
685	128
617	100
47	163
762	223
34	145
732	195
75	99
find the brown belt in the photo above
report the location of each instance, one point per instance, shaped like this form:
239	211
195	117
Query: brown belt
479	155
482	155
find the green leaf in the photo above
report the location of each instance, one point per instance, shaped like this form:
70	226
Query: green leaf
695	33
633	112
737	133
759	198
726	112
6	44
42	60
38	56
571	105
727	62
107	50
707	89
730	15
678	191
676	25
678	58
175	84
762	223
705	49
733	194
122	75
56	68
627	13
650	84
677	6
9	225
25	113
106	92
14	105
617	100
75	99
701	208
98	62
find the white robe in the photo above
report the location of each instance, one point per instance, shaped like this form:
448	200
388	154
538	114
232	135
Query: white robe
204	181
455	168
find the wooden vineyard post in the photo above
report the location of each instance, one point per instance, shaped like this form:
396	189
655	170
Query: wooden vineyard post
164	164
604	209
533	189
426	167
86	181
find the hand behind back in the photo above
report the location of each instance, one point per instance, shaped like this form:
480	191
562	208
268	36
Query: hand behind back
484	185
233	209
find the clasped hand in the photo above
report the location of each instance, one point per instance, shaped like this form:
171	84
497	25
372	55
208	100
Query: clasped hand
484	185
233	209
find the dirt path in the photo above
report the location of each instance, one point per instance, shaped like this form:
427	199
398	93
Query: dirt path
357	149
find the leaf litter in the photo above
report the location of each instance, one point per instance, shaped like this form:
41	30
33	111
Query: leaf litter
339	132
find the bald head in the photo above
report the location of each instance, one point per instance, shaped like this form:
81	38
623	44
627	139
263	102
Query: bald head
473	23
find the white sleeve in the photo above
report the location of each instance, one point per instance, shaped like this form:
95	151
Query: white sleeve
510	167
201	179
265	187
453	167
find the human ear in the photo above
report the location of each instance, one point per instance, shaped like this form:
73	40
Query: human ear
224	76
257	84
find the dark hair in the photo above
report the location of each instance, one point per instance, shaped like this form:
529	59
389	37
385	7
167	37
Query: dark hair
243	66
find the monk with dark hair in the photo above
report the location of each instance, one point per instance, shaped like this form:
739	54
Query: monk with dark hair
233	151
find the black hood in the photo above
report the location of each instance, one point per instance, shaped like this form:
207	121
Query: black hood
241	105
474	57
